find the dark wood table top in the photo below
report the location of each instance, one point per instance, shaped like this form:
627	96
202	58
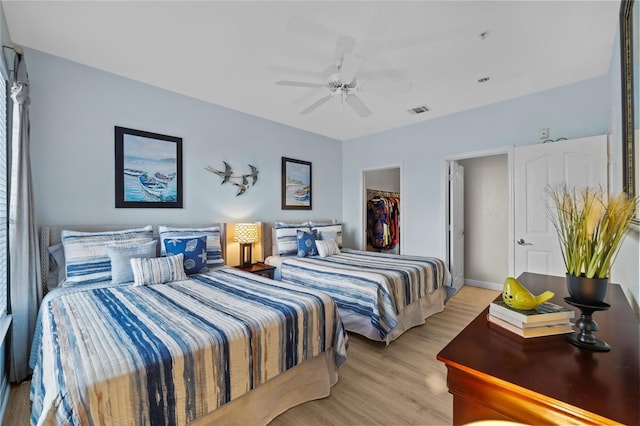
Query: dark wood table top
605	383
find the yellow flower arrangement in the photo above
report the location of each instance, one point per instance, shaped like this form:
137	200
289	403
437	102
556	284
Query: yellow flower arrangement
590	227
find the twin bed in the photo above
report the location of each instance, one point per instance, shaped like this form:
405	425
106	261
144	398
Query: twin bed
379	295
222	346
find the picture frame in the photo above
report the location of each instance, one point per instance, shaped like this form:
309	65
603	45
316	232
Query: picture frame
629	54
148	169
296	184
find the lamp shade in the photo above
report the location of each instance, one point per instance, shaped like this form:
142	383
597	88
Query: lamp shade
246	233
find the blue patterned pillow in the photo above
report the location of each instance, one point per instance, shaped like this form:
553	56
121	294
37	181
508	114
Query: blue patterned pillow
121	271
157	270
307	243
214	247
194	251
86	255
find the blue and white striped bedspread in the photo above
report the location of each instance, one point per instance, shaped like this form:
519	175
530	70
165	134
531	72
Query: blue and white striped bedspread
370	284
170	353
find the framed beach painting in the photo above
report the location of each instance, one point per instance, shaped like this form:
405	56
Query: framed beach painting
148	169
296	184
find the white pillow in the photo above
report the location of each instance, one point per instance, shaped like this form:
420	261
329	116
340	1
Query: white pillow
325	229
327	247
158	270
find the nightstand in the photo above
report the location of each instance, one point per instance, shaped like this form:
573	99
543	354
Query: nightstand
259	269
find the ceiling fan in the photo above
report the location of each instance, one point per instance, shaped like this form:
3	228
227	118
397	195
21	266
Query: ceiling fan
341	79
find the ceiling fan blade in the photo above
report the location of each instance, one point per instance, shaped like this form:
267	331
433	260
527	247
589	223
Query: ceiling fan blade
358	106
316	105
298	84
350	66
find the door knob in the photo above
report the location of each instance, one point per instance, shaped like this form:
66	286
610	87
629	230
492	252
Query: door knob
521	242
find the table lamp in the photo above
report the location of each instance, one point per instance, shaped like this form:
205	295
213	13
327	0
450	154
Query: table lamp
246	234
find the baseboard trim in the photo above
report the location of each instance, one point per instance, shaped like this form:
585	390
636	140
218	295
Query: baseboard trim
483	284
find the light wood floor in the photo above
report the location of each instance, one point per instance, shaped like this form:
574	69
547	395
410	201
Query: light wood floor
400	384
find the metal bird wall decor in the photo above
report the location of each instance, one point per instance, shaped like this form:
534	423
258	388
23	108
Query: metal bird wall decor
241	181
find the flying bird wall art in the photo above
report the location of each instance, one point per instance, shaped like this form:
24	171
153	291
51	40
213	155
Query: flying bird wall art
242	182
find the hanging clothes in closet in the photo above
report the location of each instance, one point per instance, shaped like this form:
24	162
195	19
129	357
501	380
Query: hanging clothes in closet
383	214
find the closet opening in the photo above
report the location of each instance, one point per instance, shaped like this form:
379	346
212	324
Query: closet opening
382	210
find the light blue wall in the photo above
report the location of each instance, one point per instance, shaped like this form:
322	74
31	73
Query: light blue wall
74	109
577	110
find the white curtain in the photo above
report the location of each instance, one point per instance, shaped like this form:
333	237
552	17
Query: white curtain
24	275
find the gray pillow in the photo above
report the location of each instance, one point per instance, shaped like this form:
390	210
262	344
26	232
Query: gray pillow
57	271
121	271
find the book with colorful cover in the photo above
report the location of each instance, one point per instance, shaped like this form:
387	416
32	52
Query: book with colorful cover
544	330
544	313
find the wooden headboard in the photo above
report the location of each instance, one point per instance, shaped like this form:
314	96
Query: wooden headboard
51	235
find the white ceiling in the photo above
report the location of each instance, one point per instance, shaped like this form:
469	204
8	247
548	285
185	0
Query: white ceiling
231	53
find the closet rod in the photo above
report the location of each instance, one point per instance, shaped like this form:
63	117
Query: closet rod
376	192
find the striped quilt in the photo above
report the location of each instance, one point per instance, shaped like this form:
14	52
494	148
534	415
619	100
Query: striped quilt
171	353
369	284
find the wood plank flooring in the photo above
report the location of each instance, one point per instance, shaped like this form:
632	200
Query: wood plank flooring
400	384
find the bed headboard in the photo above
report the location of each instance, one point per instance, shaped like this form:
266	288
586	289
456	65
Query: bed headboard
267	228
51	235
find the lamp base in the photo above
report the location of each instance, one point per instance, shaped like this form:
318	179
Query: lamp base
246	256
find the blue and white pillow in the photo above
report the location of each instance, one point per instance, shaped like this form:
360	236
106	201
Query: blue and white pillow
214	248
121	271
194	251
327	248
333	230
86	255
285	239
157	270
307	243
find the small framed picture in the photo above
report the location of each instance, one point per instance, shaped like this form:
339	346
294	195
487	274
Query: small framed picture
148	169
296	184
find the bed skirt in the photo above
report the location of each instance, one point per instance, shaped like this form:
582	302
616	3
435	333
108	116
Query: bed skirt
305	382
410	316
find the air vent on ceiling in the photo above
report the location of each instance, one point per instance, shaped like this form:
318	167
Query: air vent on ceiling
419	109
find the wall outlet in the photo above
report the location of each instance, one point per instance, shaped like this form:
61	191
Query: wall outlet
544	133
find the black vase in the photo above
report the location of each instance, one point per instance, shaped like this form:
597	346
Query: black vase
587	291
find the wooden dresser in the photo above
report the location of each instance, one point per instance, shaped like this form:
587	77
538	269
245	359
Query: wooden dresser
494	374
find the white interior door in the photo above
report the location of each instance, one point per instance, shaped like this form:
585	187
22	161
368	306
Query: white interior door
578	162
456	232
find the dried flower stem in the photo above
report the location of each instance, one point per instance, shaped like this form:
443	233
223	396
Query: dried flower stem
590	227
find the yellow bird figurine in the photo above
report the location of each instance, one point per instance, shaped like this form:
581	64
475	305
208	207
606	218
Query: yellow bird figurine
517	296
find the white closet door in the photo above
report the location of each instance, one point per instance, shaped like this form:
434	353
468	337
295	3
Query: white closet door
456	209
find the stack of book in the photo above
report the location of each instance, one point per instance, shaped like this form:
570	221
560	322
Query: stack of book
545	320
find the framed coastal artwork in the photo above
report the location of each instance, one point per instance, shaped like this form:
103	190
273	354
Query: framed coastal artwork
296	184
148	169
